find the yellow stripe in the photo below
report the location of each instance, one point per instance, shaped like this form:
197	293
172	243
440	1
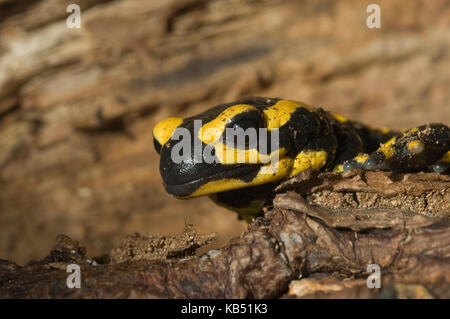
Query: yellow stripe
268	173
445	158
386	148
228	155
308	159
163	130
390	141
280	113
212	130
361	159
340	118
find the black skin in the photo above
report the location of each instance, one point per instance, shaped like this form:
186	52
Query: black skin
305	131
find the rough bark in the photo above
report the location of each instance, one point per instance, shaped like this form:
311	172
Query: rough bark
298	249
77	106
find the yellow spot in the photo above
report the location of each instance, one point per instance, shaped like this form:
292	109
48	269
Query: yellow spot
387	151
163	131
308	159
416	146
390	142
409	131
212	130
384	130
229	155
338	168
267	173
340	118
445	158
361	159
280	113
386	148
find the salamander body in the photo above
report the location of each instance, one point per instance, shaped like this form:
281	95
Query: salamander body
241	175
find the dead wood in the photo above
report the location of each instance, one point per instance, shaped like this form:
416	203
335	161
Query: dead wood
298	249
78	106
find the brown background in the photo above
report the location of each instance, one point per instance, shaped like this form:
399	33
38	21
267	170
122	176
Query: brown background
65	169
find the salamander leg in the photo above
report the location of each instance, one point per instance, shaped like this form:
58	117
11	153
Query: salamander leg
248	206
423	148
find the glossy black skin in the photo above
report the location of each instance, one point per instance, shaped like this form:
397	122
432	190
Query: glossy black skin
182	179
314	131
305	130
436	140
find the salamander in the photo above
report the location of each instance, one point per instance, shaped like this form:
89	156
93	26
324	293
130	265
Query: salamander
307	137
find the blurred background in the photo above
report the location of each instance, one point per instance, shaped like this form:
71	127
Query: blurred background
77	106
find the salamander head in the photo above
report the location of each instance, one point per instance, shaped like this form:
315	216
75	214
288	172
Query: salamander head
231	146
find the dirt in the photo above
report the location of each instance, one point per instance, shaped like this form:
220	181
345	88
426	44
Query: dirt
139	247
434	203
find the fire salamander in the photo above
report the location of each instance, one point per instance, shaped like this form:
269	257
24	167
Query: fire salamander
308	137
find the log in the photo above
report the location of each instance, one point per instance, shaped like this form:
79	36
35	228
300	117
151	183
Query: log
77	106
299	249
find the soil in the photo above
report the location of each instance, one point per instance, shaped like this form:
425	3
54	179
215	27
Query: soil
433	203
137	247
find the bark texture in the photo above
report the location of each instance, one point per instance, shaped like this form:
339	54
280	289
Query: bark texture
77	106
298	249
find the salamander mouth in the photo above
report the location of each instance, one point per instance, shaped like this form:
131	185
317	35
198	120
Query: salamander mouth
245	173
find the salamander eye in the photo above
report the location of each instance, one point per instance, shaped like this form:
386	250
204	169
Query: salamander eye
246	124
246	120
243	132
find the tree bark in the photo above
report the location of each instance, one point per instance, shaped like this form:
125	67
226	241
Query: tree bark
298	249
